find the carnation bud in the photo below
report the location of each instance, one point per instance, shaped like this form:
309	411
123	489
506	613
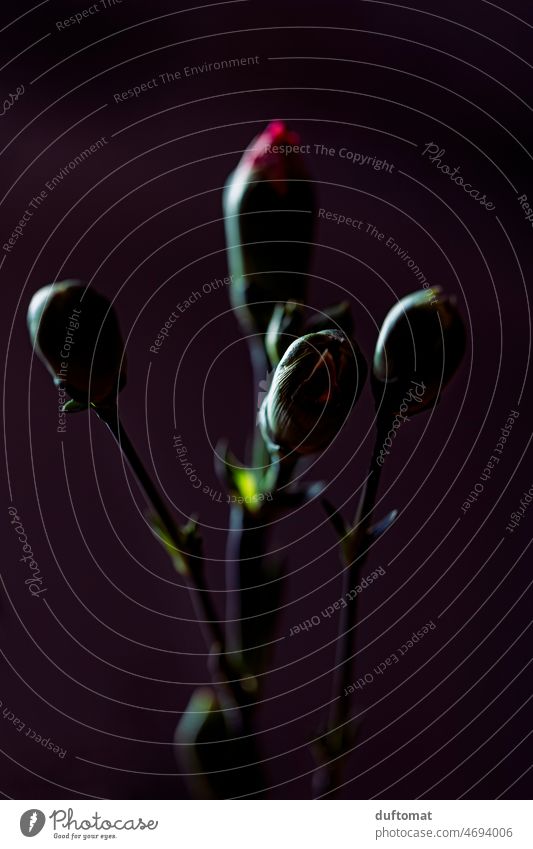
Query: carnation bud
75	332
422	341
268	207
314	387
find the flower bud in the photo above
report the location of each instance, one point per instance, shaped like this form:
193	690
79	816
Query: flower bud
268	207
421	344
315	386
76	334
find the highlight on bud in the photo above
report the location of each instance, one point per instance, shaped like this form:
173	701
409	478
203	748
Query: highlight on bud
314	388
268	205
422	340
75	333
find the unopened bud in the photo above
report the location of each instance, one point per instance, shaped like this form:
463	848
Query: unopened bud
75	332
314	388
268	208
422	342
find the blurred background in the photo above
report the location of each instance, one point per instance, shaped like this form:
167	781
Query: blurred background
105	667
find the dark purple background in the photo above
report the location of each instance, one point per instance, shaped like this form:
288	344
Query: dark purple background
452	717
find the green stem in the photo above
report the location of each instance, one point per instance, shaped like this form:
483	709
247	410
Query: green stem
327	778
244	560
248	533
201	599
246	572
260	371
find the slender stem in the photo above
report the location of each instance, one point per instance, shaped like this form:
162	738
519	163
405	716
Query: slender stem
260	371
247	570
348	621
244	558
205	611
327	778
240	521
247	536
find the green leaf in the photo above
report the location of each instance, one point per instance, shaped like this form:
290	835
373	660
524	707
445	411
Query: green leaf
179	556
73	406
384	524
357	540
286	324
244	483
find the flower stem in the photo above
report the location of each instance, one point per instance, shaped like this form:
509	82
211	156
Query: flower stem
326	779
201	599
260	371
248	532
247	573
244	558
